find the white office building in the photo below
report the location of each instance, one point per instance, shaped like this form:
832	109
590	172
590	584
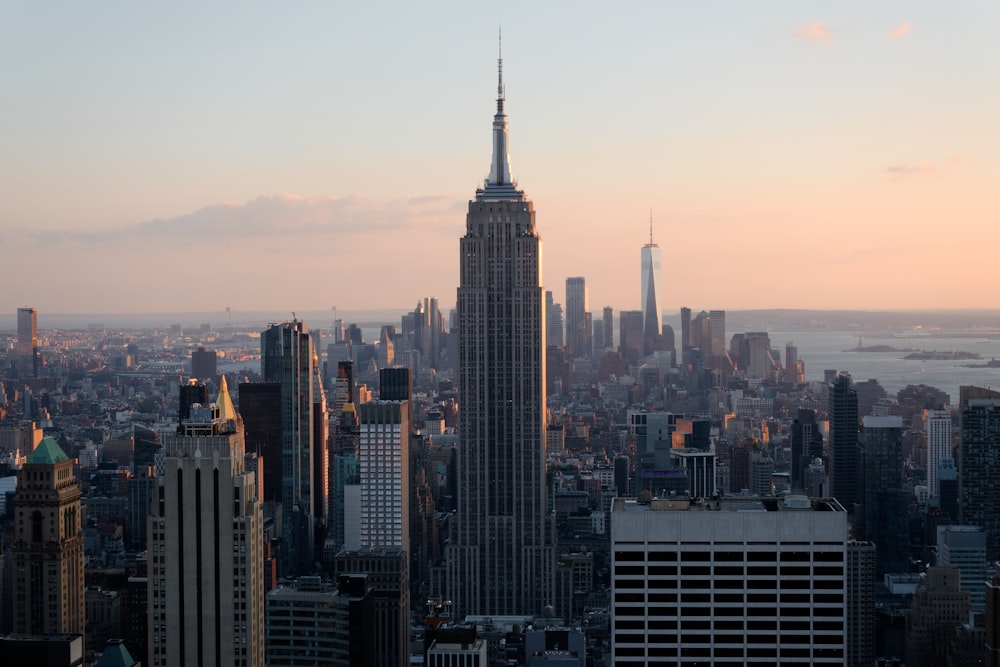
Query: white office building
729	582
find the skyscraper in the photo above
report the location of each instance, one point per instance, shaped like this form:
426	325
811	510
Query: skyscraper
938	447
27	343
48	545
501	559
206	540
732	581
652	285
288	359
577	335
843	446
979	474
554	320
884	520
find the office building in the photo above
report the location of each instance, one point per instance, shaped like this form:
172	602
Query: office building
47	552
651	271
501	558
384	473
260	407
844	460
27	343
731	581
979	474
287	358
577	334
553	321
206	543
807	446
964	547
204	364
685	335
631	338
607	327
860	582
938	605
938	447
387	573
884	520
717	327
314	622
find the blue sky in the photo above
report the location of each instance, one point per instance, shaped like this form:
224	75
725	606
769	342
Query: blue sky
793	154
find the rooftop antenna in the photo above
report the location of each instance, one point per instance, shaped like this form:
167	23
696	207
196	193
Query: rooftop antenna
500	90
650	226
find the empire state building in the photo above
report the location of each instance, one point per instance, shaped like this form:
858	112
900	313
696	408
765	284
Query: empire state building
501	559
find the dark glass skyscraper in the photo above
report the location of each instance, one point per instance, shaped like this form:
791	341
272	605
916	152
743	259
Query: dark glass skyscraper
978	457
844	464
501	559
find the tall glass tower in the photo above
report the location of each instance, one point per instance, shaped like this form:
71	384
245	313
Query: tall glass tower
501	558
652	284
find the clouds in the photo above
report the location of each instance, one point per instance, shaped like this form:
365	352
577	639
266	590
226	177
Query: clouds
816	31
280	250
900	31
822	32
281	216
923	168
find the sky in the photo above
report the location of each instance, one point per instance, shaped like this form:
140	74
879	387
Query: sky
179	157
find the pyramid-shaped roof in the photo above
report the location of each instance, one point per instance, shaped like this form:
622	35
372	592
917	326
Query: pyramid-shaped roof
115	655
48	451
224	402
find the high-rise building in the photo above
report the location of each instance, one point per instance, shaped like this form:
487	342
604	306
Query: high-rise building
577	335
685	334
631	339
501	559
729	581
807	446
884	520
206	543
553	320
717	326
384	473
651	271
938	447
938	604
47	550
979	474
964	547
27	343
288	359
204	364
608	327
260	407
860	580
318	623
844	461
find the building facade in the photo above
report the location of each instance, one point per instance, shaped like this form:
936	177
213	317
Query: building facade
47	551
844	463
577	335
27	343
501	558
206	542
979	474
729	582
288	358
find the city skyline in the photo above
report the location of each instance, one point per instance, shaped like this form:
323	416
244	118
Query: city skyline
840	158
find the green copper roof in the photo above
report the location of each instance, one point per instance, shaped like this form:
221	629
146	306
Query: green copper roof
48	451
115	655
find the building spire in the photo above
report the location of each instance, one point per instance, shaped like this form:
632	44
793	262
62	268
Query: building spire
650	226
500	90
500	184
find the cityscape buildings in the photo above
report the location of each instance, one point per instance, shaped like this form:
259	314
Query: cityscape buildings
47	551
27	343
843	448
288	358
729	581
979	474
206	542
501	559
652	285
577	306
